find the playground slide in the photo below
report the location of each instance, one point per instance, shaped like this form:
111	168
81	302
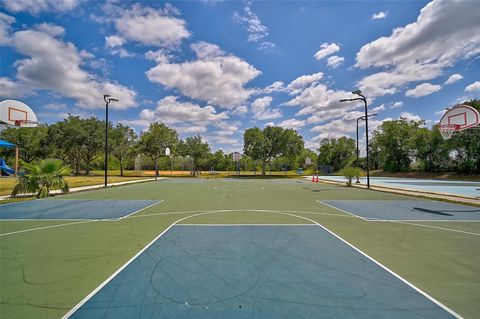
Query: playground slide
5	168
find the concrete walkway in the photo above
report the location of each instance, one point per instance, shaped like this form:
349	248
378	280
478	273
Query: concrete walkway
89	187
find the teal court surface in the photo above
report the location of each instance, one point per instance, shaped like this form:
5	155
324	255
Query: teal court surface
62	209
260	271
459	188
238	248
406	210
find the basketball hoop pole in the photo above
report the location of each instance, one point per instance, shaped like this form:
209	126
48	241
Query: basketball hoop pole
107	99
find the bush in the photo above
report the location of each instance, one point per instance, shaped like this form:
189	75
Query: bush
350	173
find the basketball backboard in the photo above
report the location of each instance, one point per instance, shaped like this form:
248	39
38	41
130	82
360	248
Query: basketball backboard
16	113
236	156
458	118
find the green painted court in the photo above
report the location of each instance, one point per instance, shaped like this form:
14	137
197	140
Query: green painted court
240	248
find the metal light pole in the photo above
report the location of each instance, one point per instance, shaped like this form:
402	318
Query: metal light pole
362	97
361	118
107	99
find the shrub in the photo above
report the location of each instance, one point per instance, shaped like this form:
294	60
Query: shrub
350	173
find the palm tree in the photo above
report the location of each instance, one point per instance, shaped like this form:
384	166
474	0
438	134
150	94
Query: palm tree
42	177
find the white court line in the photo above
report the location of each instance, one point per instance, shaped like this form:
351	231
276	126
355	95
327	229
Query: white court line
90	295
81	221
406	221
319	201
237	225
434	227
139	210
45	227
427	220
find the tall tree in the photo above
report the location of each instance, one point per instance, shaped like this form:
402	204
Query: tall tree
122	141
466	146
273	141
66	138
196	149
154	142
396	141
93	141
337	153
30	140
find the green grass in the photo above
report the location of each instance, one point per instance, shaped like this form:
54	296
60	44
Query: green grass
7	184
44	273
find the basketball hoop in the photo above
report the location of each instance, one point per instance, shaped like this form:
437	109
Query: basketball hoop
447	130
21	123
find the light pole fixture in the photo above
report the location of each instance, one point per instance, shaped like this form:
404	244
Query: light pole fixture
107	99
362	98
358	119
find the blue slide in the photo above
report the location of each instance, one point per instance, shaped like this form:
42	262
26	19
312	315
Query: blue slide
5	168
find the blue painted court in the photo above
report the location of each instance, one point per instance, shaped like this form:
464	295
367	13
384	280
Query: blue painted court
406	210
195	271
461	188
72	209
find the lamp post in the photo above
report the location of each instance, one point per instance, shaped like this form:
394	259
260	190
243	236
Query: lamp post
107	99
361	118
362	97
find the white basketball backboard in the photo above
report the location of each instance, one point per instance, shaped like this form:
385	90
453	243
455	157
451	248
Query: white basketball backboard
236	156
462	116
17	113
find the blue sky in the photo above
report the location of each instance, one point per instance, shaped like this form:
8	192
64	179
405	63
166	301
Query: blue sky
216	68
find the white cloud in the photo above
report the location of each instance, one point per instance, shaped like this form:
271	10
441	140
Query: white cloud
159	56
410	117
6	22
37	6
379	15
186	117
423	90
344	126
55	106
57	66
215	77
334	61
114	41
300	83
475	86
396	105
149	26
10	89
292	123
379	108
261	111
326	49
49	28
277	86
454	78
321	103
417	51
256	30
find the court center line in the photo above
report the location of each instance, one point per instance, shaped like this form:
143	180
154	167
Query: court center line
104	283
46	227
434	227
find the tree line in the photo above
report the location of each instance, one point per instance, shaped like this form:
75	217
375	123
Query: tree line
397	145
402	145
81	144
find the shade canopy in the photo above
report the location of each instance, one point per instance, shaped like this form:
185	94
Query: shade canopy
6	144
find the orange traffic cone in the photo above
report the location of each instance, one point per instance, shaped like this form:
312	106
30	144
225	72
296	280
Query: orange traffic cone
313	178
316	180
